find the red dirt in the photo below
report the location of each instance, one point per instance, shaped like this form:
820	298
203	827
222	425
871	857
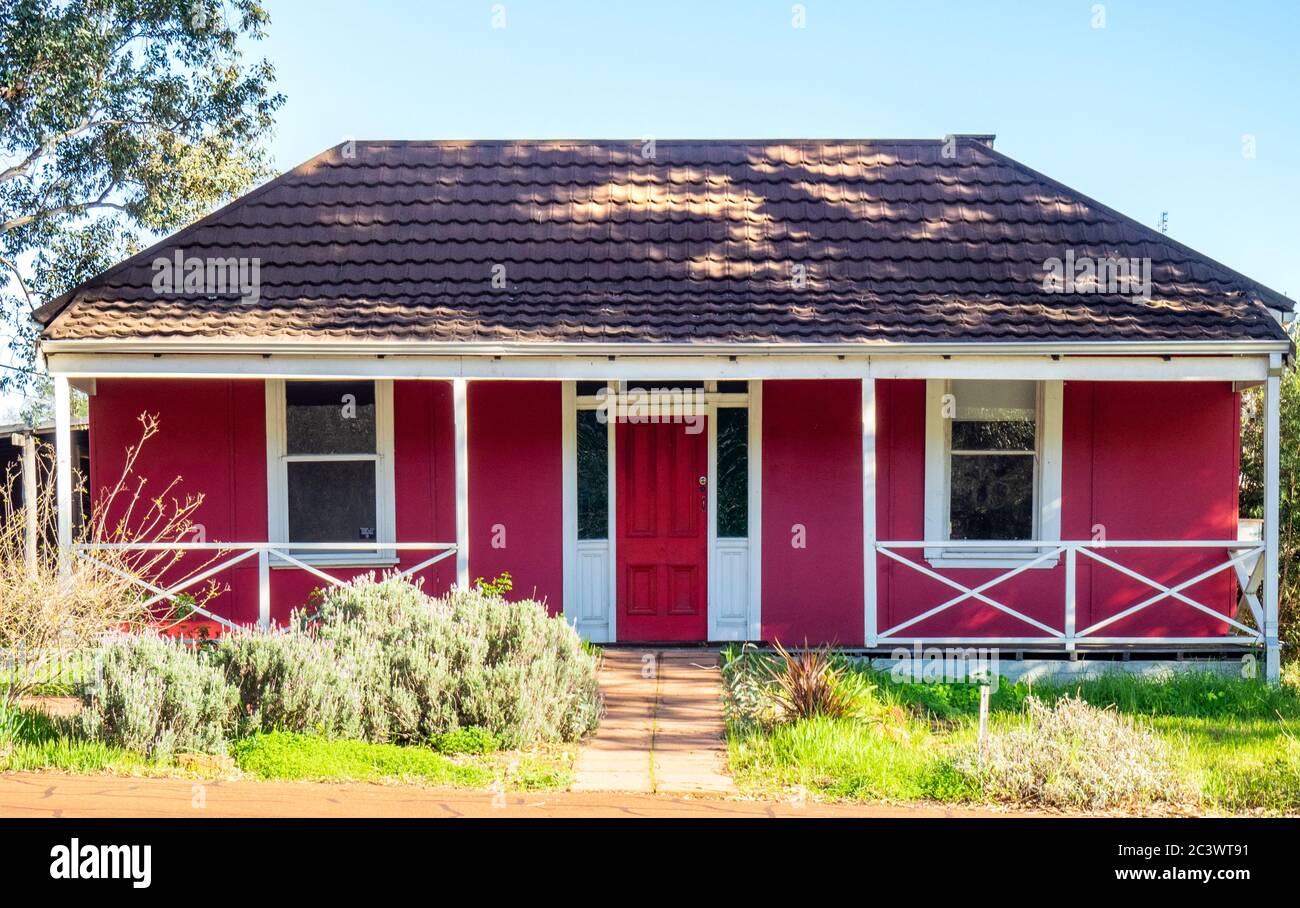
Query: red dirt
58	795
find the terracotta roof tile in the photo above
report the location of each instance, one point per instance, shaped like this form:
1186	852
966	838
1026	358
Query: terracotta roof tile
398	241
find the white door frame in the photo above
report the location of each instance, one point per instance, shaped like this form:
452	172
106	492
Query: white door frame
579	555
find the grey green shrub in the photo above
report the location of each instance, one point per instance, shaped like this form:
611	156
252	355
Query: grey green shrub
383	661
1072	754
295	683
158	697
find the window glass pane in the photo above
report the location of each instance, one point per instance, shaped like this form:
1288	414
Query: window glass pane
330	417
593	476
332	501
733	387
992	496
1003	435
590	388
733	473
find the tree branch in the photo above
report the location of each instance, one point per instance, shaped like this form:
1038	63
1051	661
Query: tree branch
22	284
83	207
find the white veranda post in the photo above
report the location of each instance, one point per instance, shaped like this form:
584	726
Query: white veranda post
870	628
1272	474
460	405
63	467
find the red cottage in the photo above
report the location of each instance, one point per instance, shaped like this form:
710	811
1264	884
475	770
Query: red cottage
866	392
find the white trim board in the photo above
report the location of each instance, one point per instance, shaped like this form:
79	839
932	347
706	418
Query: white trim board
334	346
1037	367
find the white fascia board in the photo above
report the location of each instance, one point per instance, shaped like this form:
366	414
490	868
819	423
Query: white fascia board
1027	366
331	347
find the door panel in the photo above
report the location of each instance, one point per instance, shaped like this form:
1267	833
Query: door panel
662	532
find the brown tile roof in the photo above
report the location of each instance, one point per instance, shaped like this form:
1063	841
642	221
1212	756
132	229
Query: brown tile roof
398	240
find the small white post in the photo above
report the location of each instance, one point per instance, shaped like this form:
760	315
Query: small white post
460	407
869	511
264	589
984	720
31	521
1272	486
1071	596
63	469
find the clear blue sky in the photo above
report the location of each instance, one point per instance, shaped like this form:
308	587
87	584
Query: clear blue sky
1146	114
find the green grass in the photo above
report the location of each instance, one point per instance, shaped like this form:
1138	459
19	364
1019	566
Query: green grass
1235	742
284	755
32	741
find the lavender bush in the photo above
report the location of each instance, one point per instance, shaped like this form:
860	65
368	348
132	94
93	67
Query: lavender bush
1071	754
383	661
157	697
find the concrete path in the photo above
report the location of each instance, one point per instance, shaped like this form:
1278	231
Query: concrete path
663	729
59	795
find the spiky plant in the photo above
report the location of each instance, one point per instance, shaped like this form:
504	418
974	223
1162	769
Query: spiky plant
807	684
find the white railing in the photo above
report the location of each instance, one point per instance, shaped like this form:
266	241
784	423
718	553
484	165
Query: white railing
1244	558
268	554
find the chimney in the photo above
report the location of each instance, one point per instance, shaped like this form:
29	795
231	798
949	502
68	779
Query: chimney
982	138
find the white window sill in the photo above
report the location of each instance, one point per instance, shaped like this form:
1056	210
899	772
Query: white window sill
1003	560
319	560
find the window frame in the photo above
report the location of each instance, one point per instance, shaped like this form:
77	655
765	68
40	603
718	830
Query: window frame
1048	430
277	472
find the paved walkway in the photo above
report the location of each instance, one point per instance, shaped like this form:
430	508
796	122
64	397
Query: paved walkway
663	729
58	795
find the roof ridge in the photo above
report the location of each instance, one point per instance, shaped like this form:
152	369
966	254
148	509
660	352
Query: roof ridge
400	143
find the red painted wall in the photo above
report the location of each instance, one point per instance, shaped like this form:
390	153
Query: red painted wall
212	439
812	462
515	487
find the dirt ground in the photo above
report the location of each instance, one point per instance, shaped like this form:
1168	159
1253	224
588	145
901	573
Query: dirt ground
59	795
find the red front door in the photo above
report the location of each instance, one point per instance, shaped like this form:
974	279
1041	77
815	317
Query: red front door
662	531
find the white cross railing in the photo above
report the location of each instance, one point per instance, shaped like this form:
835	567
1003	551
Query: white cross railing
1244	558
267	554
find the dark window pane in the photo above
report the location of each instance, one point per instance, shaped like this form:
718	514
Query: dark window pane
590	388
332	501
733	387
733	472
330	417
593	476
992	496
999	435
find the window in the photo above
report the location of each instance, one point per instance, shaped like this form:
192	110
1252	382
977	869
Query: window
733	473
330	465
993	447
993	463
593	476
